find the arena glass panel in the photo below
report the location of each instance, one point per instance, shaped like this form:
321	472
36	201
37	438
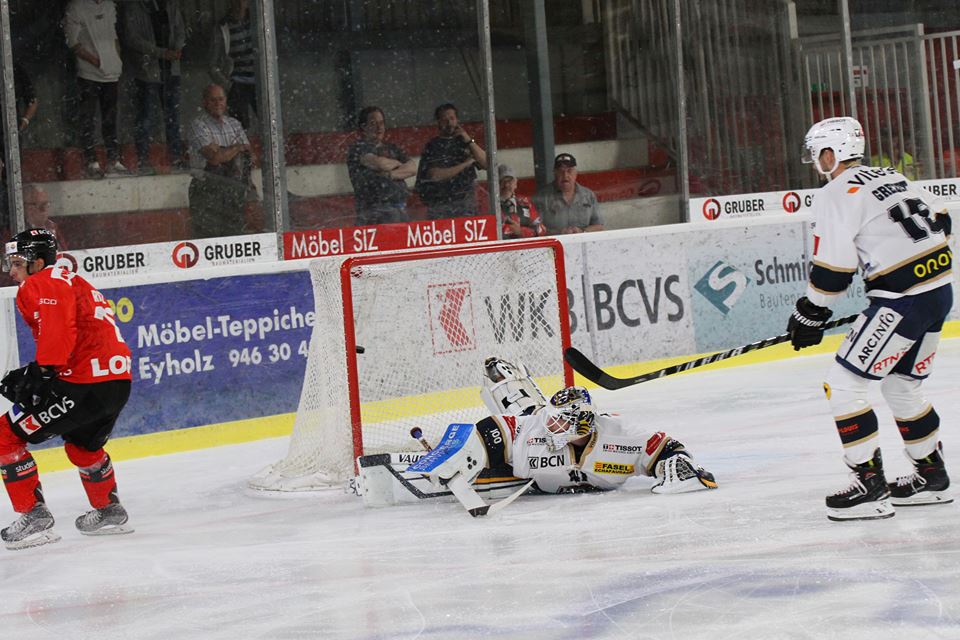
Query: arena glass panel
108	152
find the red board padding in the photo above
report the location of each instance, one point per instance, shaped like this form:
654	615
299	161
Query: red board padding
388	237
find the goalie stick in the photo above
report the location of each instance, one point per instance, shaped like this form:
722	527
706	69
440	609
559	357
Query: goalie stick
583	365
464	493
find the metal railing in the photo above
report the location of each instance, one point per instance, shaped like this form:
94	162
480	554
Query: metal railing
943	68
752	87
907	88
737	57
891	93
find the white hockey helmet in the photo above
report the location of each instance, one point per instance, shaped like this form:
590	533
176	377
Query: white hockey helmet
571	414
843	135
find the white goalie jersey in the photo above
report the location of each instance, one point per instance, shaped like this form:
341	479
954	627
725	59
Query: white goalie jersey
561	444
595	449
876	220
605	462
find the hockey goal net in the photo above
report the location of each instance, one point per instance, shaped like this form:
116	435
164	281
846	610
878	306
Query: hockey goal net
399	342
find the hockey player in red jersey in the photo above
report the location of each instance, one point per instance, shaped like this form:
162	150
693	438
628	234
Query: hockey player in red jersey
873	219
75	389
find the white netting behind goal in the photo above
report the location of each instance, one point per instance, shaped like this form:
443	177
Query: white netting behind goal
426	322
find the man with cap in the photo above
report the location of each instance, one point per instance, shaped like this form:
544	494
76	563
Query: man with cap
520	217
568	207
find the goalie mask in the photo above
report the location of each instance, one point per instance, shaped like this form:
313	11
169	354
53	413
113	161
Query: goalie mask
571	414
843	135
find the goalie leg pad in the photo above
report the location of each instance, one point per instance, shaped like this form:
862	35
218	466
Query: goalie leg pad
509	390
497	442
460	451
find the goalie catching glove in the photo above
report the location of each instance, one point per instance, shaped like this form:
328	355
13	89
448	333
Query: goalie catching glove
675	470
29	386
806	325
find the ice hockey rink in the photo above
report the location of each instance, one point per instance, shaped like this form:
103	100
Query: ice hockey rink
755	559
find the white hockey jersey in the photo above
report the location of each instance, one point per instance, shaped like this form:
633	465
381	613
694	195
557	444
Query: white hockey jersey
609	458
876	220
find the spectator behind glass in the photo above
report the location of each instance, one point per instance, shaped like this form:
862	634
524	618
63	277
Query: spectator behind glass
36	213
27	105
904	163
566	206
520	217
448	168
154	35
221	161
91	30
377	171
232	61
27	102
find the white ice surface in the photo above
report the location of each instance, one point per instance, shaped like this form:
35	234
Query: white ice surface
755	559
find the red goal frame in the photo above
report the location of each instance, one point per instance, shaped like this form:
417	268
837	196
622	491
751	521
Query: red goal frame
346	287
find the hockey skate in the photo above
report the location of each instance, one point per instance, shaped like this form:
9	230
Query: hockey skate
926	485
111	520
867	497
679	474
31	529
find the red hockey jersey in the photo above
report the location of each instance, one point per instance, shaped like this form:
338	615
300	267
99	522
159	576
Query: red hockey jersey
520	210
74	327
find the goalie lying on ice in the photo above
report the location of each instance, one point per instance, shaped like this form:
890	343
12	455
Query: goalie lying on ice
565	443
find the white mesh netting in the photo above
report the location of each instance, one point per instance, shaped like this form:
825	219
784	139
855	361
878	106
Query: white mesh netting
426	322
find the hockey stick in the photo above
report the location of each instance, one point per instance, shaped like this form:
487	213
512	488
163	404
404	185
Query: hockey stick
464	492
582	364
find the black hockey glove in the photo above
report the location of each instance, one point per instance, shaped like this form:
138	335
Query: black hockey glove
946	223
806	324
29	386
10	383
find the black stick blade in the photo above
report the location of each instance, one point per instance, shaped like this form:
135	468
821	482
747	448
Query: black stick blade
582	365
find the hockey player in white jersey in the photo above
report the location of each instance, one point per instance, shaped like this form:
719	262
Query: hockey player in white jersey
873	219
565	444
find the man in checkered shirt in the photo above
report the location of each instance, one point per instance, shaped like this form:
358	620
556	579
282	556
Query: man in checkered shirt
220	161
